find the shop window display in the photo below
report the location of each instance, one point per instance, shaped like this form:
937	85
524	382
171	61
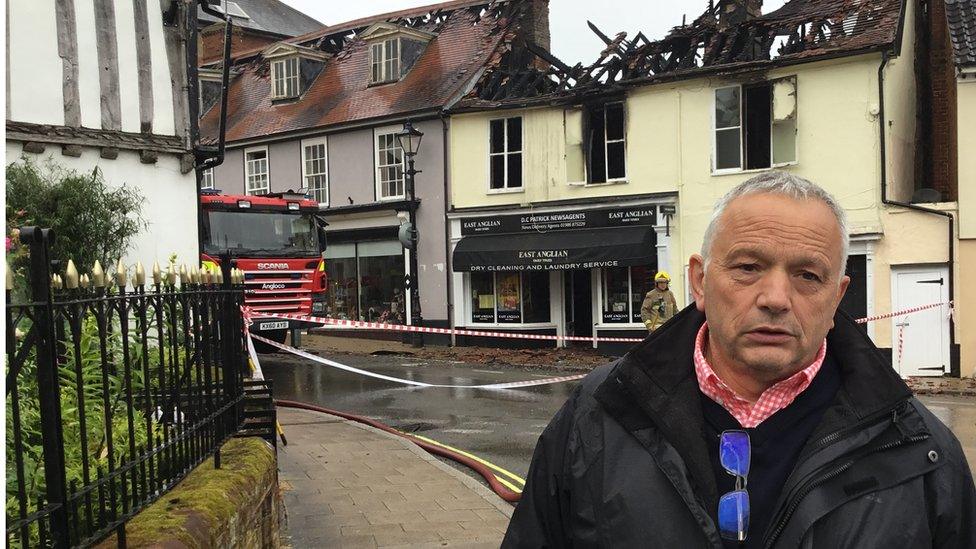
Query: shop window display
535	296
483	297
510	297
623	292
641	282
366	282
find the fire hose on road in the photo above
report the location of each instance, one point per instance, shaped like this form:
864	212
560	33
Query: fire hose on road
503	491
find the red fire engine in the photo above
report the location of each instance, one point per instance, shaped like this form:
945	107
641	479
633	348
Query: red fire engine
277	240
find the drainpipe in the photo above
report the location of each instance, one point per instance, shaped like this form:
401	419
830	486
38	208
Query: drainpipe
953	365
447	234
206	157
213	157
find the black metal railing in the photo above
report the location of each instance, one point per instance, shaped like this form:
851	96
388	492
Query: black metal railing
114	393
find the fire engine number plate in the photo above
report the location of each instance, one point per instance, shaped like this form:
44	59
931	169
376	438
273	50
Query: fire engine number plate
283	325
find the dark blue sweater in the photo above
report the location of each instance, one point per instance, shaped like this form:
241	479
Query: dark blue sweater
776	444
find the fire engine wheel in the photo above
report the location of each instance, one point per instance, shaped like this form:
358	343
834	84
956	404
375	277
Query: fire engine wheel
277	336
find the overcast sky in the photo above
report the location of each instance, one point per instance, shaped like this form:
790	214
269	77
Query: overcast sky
572	41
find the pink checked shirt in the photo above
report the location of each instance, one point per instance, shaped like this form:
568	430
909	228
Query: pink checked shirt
772	400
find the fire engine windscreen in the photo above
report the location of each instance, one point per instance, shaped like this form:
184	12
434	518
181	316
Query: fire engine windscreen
260	234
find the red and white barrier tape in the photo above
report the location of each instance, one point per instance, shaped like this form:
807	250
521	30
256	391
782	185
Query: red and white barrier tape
361	324
339	365
904	312
250	315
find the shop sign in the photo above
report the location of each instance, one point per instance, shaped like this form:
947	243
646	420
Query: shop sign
559	221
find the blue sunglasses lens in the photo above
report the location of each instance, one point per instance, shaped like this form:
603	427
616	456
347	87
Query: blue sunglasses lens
733	451
733	515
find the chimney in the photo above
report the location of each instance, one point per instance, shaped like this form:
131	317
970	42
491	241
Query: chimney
535	23
735	12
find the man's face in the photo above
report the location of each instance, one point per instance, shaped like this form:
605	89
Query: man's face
662	285
771	287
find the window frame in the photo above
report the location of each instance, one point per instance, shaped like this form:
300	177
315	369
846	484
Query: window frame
607	180
506	153
285	79
377	167
247	172
311	142
206	175
469	316
389	67
742	132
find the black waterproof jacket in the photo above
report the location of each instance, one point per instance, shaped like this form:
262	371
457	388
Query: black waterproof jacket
624	462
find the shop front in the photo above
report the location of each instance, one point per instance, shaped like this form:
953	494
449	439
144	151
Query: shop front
580	272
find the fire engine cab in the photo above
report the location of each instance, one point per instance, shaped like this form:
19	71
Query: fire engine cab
277	240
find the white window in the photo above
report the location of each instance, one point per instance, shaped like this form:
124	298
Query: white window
755	125
389	165
505	153
284	75
606	154
315	167
256	170
384	61
207	179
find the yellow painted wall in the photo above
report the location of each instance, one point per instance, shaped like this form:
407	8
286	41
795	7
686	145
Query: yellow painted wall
669	148
966	293
966	109
966	309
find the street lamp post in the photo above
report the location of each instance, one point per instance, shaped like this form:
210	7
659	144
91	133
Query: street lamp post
408	140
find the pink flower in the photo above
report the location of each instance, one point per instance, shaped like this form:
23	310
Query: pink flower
10	244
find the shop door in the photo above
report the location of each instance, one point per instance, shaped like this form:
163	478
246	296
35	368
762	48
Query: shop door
579	305
925	334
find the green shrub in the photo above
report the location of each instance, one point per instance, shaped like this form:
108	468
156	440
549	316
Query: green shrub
91	220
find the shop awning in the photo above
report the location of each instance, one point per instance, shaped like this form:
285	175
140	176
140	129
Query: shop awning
556	250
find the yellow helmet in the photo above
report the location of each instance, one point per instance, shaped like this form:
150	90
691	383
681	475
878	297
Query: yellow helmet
662	276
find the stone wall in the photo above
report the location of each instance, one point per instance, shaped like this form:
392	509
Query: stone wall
237	506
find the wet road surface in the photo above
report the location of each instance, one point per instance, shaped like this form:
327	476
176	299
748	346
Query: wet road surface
501	426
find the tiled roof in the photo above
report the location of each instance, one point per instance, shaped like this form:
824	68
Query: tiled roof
466	33
961	17
272	16
801	30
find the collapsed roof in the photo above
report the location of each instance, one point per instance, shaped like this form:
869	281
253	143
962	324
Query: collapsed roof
466	33
724	39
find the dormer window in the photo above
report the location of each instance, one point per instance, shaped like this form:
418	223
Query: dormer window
284	75
292	69
392	51
385	61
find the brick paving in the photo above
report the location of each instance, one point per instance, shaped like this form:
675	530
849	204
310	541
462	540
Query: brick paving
349	485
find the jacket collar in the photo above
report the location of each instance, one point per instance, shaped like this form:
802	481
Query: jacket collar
654	384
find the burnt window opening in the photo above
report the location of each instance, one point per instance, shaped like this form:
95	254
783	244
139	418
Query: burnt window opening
755	125
505	153
605	145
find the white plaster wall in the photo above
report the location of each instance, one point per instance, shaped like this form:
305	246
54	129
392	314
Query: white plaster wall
35	67
88	90
125	34
163	116
169	199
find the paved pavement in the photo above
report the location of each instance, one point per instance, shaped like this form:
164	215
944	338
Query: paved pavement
350	485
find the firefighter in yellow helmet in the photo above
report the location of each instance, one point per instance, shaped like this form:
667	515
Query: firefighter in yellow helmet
659	304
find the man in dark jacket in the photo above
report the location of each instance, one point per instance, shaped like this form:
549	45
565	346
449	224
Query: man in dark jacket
761	416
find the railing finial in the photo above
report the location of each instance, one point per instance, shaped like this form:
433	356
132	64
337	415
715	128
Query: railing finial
71	276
